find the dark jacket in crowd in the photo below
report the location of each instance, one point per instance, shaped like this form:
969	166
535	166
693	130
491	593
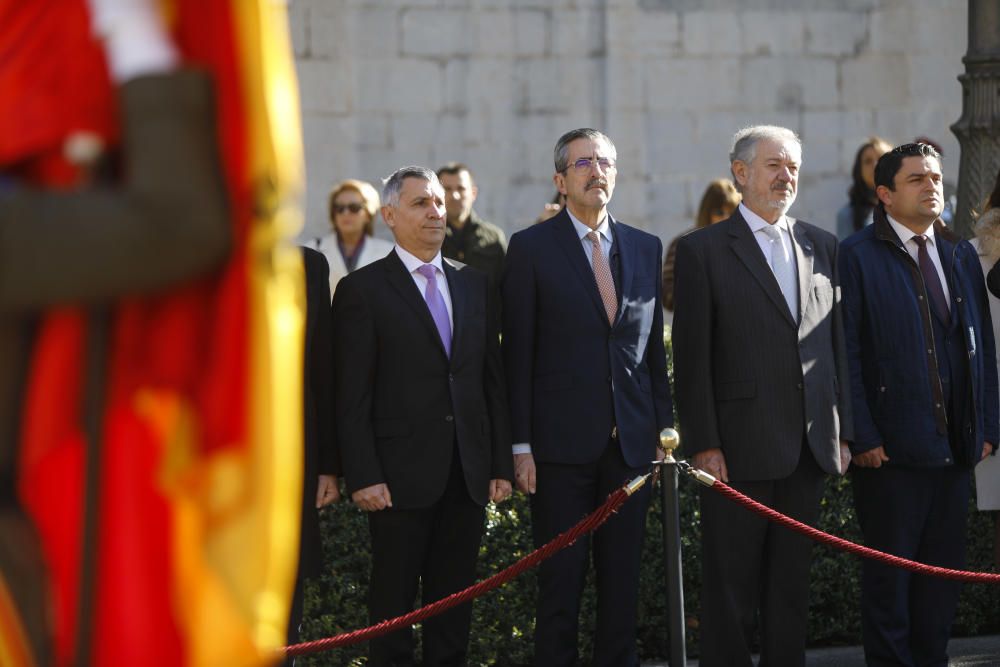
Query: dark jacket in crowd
479	244
895	387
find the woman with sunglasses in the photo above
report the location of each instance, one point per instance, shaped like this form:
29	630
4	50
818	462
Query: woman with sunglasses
351	244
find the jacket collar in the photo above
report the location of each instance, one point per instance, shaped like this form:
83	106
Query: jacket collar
884	232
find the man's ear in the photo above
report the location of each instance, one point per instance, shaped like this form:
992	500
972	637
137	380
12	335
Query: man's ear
740	169
560	182
387	213
884	194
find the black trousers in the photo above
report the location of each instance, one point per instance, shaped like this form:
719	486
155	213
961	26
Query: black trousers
753	568
920	514
565	494
435	547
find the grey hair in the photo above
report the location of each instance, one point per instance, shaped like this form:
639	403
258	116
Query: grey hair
745	144
745	141
561	153
392	185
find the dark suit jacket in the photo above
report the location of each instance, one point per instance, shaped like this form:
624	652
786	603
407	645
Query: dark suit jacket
401	404
320	454
571	376
748	379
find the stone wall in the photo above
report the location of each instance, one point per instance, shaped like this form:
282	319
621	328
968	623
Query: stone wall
493	83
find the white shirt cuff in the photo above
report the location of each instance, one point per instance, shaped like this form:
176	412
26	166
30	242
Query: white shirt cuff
522	448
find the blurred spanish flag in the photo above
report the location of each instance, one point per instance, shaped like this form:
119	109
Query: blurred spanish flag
200	460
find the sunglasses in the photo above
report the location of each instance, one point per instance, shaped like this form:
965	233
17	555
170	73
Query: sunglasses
353	208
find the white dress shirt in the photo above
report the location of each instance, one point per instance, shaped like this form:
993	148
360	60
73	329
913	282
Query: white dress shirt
413	263
906	236
757	226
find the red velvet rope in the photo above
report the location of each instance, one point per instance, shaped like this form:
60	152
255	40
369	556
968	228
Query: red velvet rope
851	547
587	524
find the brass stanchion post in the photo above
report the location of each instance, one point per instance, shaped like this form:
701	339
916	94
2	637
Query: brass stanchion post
669	440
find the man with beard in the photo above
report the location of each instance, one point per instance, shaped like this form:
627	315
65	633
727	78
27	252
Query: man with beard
583	351
759	356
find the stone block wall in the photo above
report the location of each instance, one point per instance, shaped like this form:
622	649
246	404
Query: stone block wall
493	83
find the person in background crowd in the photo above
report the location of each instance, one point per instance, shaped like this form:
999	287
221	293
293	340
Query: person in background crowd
552	207
588	387
987	244
758	357
421	415
351	244
717	203
469	239
924	391
857	212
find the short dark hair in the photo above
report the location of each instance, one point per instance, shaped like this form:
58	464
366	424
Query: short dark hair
454	169
888	165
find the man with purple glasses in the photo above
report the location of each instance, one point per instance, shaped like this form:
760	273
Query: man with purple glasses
583	351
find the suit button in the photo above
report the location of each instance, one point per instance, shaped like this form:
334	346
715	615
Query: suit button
449	418
930	351
959	299
799	386
451	378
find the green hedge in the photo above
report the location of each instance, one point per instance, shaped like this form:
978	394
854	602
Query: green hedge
503	620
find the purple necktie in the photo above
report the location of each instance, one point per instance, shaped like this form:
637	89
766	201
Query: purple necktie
435	302
932	282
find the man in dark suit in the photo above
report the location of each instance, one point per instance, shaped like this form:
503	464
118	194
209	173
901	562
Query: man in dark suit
759	360
924	388
421	416
583	351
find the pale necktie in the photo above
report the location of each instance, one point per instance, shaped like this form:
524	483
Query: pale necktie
602	273
783	266
435	303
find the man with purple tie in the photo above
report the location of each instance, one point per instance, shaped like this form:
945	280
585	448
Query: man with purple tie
421	416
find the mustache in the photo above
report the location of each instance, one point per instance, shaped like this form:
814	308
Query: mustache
597	182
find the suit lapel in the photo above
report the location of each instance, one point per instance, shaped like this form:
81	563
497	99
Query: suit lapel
745	246
402	282
571	245
626	264
459	302
804	257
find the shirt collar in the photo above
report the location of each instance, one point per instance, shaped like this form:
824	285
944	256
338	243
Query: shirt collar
757	223
905	233
604	229
412	263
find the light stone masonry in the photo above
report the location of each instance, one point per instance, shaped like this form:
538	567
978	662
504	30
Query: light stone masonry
495	82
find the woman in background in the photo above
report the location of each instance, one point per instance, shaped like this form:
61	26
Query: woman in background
351	243
856	214
987	244
717	203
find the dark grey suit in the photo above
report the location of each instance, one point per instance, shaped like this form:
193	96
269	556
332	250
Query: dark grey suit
764	390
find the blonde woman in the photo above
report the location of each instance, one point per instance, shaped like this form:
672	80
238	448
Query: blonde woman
351	243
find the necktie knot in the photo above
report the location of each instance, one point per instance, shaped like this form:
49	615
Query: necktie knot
427	271
920	240
594	238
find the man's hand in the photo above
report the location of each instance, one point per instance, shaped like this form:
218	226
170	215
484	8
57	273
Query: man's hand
499	490
372	498
845	456
873	458
327	492
713	462
524	472
988	448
